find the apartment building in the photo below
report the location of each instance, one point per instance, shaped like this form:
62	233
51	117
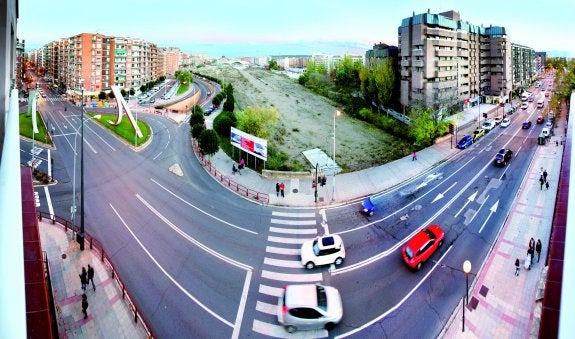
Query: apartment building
171	59
445	61
524	69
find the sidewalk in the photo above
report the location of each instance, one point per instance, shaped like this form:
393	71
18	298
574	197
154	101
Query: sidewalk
108	315
355	185
502	305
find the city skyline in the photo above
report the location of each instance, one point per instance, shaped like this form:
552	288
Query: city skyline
255	29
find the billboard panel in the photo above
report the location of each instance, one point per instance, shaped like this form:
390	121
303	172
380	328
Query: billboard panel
253	145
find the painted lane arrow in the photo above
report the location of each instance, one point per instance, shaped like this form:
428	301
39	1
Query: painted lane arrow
441	195
492	210
470	199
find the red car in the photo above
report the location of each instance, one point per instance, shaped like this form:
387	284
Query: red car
540	119
419	248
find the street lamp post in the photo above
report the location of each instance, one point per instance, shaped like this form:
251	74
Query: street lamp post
336	113
466	270
80	235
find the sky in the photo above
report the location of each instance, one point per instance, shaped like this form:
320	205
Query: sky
260	28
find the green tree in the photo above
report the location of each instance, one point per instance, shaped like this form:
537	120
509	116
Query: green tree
162	78
183	76
223	122
426	126
132	91
102	95
143	88
217	100
197	118
229	105
228	90
197	108
123	92
208	142
111	95
273	64
258	121
346	75
197	130
377	81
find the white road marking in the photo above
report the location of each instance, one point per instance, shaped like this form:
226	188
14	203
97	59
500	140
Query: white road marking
293	214
282	250
242	305
157	155
283	240
87	143
180	287
206	213
266	308
49	202
293	222
396	306
277	331
96	134
492	210
293	231
477	212
297	278
470	199
269	290
282	263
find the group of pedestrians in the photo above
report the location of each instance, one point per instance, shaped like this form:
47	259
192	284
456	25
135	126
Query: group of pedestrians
532	250
86	277
543	178
239	168
280	187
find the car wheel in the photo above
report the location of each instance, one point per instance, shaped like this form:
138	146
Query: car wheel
371	213
440	243
309	265
418	267
291	329
338	261
329	326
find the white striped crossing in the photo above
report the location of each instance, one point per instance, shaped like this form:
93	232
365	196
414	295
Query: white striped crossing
266	308
289	277
294	215
293	222
282	263
282	250
284	240
270	290
293	231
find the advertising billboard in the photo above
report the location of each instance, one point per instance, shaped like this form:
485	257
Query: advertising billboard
249	143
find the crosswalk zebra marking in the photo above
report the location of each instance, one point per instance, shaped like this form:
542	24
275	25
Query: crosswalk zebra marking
294	214
282	250
292	222
282	263
270	290
266	308
293	231
284	240
297	278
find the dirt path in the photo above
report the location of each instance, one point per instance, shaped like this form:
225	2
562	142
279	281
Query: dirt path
306	120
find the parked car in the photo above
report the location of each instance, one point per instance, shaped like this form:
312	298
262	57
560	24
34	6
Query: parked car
208	111
526	125
324	250
546	132
530	99
549	124
488	125
505	122
497	120
309	307
524	105
502	157
465	142
540	119
478	133
419	248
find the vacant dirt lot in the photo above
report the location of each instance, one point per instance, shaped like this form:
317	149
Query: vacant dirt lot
306	120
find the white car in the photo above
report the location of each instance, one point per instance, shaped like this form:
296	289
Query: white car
488	125
506	122
324	250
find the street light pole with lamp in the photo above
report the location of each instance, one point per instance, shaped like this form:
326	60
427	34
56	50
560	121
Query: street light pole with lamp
466	270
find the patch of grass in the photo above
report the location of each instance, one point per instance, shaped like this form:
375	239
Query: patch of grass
183	89
124	129
26	128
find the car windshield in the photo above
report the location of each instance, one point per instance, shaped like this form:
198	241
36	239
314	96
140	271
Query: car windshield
429	233
321	297
315	247
409	252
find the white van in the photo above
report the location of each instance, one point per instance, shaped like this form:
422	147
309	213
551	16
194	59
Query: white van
540	103
546	132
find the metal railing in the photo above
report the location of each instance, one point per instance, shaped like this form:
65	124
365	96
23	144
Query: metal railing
225	180
104	258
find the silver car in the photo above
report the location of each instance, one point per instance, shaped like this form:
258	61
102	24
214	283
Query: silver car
309	307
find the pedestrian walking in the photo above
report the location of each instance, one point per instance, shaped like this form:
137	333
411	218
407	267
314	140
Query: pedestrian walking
517	267
277	189
414	157
541	181
85	305
541	173
545	175
529	259
556	143
282	187
538	249
531	243
547	185
91	276
84	278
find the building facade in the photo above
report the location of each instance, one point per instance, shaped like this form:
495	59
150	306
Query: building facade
445	61
171	60
523	65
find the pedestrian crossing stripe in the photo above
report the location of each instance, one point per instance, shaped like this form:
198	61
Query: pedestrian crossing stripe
284	240
269	290
292	222
282	250
296	278
293	214
266	307
282	263
293	231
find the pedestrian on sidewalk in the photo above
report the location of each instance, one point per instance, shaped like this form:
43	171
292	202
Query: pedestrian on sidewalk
531	243
541	181
85	305
414	157
277	189
541	173
282	187
538	249
545	175
517	267
547	185
84	278
234	169
91	276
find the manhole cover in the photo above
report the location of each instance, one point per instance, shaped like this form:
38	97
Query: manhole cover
483	290
64	256
295	190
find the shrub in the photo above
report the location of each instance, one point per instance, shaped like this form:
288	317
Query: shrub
196	130
223	122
